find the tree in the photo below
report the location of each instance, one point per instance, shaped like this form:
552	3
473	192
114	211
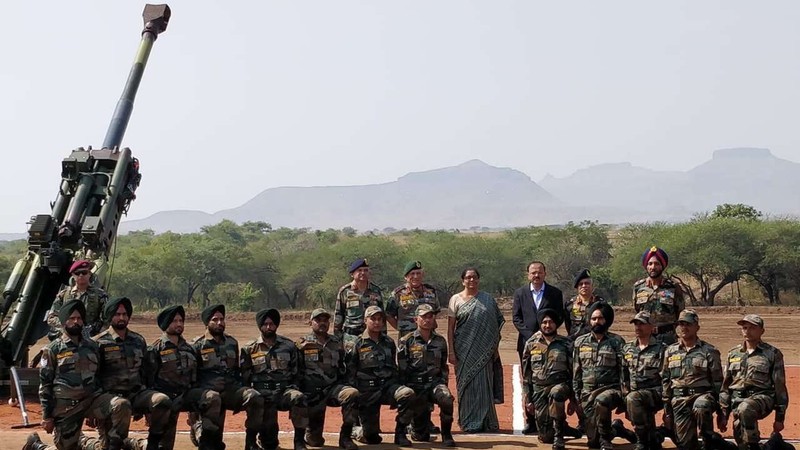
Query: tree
736	211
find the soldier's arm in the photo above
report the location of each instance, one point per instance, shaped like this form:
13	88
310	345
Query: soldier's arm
625	372
338	316
779	380
443	365
351	362
47	375
577	371
246	365
393	347
102	298
666	385
391	310
567	320
715	370
725	393
527	372
52	316
621	362
680	302
294	367
402	361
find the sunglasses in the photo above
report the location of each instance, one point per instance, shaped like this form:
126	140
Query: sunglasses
81	273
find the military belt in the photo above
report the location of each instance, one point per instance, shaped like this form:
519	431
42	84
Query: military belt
746	393
421	379
370	384
661	329
270	385
685	392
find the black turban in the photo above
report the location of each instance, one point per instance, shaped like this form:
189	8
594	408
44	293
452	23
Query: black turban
70	307
113	305
167	315
208	312
557	317
605	309
265	314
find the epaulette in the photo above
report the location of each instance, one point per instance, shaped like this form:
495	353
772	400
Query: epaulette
429	286
640	282
374	287
346	286
399	288
406	336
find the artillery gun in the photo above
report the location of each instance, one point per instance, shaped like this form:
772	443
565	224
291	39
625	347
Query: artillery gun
97	187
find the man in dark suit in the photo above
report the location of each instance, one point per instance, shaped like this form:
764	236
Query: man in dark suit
528	301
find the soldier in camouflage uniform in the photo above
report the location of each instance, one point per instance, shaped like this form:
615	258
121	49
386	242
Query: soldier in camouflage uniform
422	363
577	323
371	362
597	373
402	305
691	378
270	365
351	302
754	385
643	359
82	289
547	376
658	295
218	356
322	378
69	391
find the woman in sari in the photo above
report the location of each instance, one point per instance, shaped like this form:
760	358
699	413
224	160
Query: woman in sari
473	335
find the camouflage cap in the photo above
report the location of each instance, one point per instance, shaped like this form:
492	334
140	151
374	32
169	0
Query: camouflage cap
755	319
641	317
688	316
319	312
424	309
372	310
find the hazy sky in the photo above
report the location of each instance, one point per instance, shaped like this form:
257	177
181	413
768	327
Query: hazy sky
243	96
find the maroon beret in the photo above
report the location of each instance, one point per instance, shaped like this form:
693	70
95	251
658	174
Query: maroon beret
80	264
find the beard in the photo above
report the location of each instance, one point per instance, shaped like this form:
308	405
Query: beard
119	325
217	332
74	331
655	273
599	329
269	334
549	333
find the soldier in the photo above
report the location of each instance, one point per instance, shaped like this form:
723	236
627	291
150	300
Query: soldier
69	391
692	378
322	378
218	355
93	298
754	385
371	362
270	365
643	359
577	323
123	370
658	295
351	302
422	363
547	375
597	372
402	305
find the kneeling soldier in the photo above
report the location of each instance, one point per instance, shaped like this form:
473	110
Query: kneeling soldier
422	362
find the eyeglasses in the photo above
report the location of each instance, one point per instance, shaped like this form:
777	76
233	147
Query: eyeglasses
81	273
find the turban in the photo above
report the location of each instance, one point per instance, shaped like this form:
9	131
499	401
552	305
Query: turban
551	313
70	307
113	305
208	312
605	309
265	314
659	253
167	315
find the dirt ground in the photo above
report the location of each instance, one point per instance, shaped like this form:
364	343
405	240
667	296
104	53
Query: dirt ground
718	326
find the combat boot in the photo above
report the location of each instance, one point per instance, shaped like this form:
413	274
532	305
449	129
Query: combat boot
572	432
153	441
643	440
34	443
115	443
621	432
400	438
558	434
447	434
605	443
300	439
345	441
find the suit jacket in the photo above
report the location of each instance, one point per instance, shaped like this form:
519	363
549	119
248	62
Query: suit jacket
523	311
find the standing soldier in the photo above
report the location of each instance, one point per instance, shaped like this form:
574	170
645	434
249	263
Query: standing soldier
69	391
597	372
371	362
754	385
402	306
643	359
269	364
658	296
322	378
547	376
93	298
577	323
351	302
692	378
218	355
422	362
123	370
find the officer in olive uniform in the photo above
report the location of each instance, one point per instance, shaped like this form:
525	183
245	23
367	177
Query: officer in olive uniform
547	376
322	373
93	298
643	359
658	295
218	357
577	323
270	365
691	378
754	385
123	370
69	391
371	362
402	305
597	372
352	300
422	363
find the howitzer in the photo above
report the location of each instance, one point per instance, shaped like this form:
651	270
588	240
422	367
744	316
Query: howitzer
97	187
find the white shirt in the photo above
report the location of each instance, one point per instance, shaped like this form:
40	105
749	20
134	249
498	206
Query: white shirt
537	295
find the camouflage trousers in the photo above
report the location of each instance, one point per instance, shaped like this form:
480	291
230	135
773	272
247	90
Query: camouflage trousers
336	395
746	414
550	413
642	406
597	406
146	401
689	414
290	400
69	419
425	398
210	426
370	401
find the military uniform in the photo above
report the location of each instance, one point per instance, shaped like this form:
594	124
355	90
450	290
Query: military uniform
664	303
272	371
691	379
754	385
577	323
547	376
350	307
321	370
642	383
402	305
597	373
93	298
